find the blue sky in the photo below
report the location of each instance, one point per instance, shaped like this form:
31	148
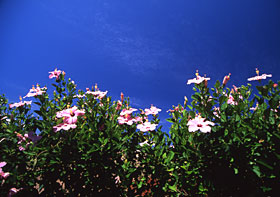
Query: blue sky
146	49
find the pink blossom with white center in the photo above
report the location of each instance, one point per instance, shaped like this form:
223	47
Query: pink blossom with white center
125	116
97	94
55	74
127	111
198	79
20	104
126	119
70	115
198	123
153	110
259	77
35	91
2	173
64	126
146	126
231	100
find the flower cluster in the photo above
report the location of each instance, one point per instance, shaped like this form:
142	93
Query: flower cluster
152	111
70	117
144	125
198	79
259	77
20	104
126	118
30	135
35	91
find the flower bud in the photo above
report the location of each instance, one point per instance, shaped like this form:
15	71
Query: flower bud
226	79
122	97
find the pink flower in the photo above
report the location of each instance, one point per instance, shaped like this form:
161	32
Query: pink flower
55	73
258	77
20	104
199	124
231	100
216	112
2	173
146	126
64	126
119	105
2	164
35	91
127	111
153	110
97	94
13	191
70	115
118	179
125	116
198	79
126	119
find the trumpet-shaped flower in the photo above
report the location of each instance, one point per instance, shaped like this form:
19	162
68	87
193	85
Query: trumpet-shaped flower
125	116
146	126
2	173
20	104
198	123
64	126
259	77
70	115
55	74
231	100
97	94
198	79
13	191
2	164
126	119
35	91
153	110
127	111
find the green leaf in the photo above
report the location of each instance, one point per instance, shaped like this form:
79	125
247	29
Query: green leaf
256	169
169	156
172	187
264	164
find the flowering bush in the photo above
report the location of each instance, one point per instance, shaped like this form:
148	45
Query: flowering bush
81	143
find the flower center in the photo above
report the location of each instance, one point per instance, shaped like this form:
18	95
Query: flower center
199	125
72	113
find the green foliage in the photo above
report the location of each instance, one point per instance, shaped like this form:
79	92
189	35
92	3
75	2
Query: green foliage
239	157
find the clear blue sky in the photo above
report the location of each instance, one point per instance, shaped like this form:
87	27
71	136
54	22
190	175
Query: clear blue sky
146	49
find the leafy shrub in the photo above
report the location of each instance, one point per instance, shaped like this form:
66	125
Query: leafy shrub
89	145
